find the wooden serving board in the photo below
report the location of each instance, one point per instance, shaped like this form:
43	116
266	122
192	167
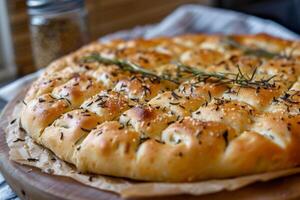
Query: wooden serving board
31	183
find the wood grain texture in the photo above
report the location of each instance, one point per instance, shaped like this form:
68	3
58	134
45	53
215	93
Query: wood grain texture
31	183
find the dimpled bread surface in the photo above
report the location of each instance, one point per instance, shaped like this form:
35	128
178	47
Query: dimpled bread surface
110	121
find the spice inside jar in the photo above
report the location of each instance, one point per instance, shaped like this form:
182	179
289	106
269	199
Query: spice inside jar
56	31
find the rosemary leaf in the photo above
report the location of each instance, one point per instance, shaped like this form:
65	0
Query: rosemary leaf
126	66
201	73
229	78
224	78
250	51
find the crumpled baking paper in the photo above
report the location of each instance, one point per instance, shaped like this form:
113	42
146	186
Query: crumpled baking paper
186	19
25	151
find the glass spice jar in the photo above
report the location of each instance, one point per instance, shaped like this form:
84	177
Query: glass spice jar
57	27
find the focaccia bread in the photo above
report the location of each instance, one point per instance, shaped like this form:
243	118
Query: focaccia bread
186	108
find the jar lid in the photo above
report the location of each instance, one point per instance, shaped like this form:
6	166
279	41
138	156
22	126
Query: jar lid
52	6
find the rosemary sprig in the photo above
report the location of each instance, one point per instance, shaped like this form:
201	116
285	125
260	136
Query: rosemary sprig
224	78
126	66
250	51
289	98
229	78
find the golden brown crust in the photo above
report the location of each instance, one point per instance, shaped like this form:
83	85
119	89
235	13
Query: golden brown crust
106	119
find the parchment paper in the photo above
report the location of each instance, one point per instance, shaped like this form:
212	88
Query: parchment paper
24	151
186	19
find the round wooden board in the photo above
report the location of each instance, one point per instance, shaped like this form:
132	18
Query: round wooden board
31	183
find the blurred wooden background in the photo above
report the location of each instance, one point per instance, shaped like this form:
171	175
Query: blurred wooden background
104	16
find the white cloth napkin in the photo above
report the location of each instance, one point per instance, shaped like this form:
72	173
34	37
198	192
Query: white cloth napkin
185	19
